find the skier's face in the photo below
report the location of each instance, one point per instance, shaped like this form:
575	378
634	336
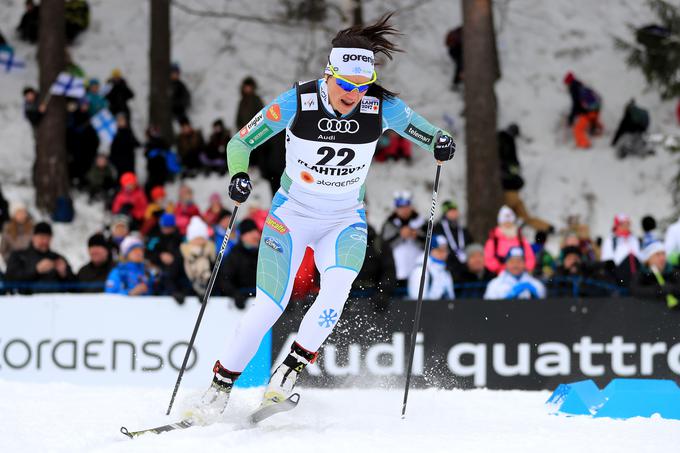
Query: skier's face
345	101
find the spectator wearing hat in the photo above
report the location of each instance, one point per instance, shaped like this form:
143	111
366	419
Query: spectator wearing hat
471	281
101	180
82	143
130	200
198	253
118	94
190	146
404	232
649	232
502	238
438	280
28	27
239	269
131	277
215	207
94	98
180	97
123	146
214	156
185	208
514	282
220	229
457	236
93	275
38	264
621	251
17	232
511	178
164	253
657	280
155	209
585	111
572	274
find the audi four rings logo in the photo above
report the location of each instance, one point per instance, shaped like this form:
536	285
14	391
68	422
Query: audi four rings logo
343	126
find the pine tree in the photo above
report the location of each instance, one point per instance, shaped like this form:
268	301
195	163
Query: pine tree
656	50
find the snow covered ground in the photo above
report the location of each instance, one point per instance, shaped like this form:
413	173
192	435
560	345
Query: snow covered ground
55	418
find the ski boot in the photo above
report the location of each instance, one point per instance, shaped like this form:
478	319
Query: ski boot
214	400
283	380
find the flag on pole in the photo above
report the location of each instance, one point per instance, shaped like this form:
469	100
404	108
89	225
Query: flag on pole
8	60
105	125
68	85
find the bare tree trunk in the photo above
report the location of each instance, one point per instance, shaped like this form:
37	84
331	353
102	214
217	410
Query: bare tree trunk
484	193
352	11
50	172
160	113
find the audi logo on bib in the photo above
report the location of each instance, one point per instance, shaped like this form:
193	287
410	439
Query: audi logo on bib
341	126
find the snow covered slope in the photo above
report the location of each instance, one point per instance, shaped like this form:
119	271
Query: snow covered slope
538	42
58	418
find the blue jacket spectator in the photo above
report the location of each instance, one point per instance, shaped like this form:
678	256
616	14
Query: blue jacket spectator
131	277
438	280
514	282
220	229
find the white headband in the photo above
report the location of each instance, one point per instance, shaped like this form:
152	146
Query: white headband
349	61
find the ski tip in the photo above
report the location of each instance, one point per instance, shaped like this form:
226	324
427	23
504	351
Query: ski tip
125	431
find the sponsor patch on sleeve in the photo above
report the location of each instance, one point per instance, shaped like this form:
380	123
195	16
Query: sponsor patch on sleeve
419	134
274	113
370	104
260	135
276	225
309	101
252	124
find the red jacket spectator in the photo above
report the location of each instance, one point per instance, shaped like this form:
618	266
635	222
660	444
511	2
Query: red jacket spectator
212	214
185	208
502	238
131	199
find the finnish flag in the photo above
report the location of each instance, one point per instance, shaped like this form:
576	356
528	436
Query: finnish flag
68	85
105	125
8	60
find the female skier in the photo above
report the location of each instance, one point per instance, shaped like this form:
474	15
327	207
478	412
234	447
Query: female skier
332	126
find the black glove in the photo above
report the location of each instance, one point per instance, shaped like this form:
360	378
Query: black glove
444	148
240	300
240	187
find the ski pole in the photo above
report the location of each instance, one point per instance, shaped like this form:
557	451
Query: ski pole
419	304
204	303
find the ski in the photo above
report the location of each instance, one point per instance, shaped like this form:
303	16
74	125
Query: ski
263	412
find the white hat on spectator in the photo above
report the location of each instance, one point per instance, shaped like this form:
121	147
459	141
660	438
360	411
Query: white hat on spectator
652	249
17	206
197	229
506	215
129	243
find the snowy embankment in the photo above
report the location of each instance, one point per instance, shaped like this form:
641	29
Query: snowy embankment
538	42
59	418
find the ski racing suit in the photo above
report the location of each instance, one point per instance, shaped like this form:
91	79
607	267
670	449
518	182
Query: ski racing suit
319	204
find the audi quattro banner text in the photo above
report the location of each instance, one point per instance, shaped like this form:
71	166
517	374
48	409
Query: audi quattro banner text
106	339
495	344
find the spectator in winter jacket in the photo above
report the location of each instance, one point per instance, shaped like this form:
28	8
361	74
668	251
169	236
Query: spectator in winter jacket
249	105
658	280
118	94
672	243
17	232
93	275
572	273
82	143
376	280
392	146
471	281
404	232
220	230
585	111
514	282
198	253
185	208
238	272
131	199
28	27
649	232
454	43
164	253
578	234
155	151
180	97
95	99
131	277
629	138
4	210
457	236
511	178
621	251
76	17
101	180
438	280
158	206
33	110
214	209
190	145
123	146
213	158
545	263
502	238
39	264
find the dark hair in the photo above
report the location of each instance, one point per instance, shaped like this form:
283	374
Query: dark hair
374	37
